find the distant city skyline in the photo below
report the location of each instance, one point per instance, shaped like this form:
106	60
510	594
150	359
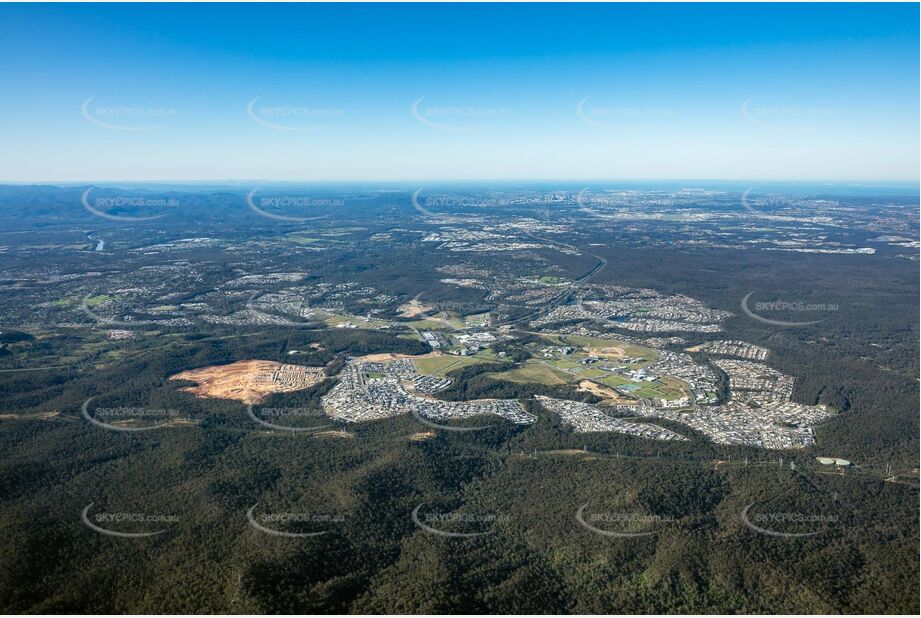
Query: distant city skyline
449	93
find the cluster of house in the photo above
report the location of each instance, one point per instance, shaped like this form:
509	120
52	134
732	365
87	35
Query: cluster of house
759	411
424	383
288	377
731	425
374	390
463	239
739	349
586	418
642	311
702	381
756	382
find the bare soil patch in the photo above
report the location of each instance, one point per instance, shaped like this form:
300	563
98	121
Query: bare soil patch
389	356
608	352
249	381
603	391
334	434
413	308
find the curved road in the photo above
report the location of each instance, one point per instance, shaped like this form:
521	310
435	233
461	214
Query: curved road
574	287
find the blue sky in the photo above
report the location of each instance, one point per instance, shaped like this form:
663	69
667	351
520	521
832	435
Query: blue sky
332	92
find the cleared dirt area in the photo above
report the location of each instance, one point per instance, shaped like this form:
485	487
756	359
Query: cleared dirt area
389	356
609	348
422	436
608	352
334	434
566	452
40	416
249	381
603	391
413	308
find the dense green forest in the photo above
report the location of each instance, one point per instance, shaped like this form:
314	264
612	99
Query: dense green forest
515	494
523	486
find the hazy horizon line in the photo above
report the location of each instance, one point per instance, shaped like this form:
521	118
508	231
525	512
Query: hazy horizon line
417	182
